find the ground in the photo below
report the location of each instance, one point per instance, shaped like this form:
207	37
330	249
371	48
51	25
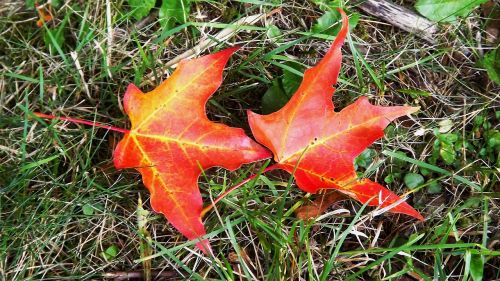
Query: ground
67	214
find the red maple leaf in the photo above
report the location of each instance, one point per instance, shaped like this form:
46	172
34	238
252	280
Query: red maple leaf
172	140
317	144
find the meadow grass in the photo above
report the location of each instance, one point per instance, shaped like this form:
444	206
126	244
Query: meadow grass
67	214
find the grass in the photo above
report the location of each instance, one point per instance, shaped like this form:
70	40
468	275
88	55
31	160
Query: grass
67	214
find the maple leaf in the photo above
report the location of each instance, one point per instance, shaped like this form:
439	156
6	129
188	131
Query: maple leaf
317	144
171	140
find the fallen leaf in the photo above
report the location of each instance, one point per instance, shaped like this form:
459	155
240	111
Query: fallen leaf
318	145
172	140
319	205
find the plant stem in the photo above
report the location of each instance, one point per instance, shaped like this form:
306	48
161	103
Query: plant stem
80	121
209	207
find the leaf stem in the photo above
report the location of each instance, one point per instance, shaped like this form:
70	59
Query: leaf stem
209	207
80	121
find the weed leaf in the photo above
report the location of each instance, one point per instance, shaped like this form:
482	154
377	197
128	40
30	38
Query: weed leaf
491	62
174	11
141	8
446	11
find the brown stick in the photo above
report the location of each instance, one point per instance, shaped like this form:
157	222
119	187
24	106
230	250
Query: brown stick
400	17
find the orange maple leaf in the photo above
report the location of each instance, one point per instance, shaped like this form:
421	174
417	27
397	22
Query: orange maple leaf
172	140
307	136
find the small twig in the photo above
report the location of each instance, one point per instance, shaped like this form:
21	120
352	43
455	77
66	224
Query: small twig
85	122
209	207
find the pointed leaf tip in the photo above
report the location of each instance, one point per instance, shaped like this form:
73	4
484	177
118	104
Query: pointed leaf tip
365	189
339	40
205	247
232	49
226	53
133	89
